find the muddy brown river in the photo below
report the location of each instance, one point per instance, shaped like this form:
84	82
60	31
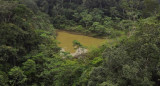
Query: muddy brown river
66	38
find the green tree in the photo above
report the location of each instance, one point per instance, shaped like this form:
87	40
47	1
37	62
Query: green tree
16	76
97	15
151	7
98	28
133	62
29	67
77	44
86	18
3	79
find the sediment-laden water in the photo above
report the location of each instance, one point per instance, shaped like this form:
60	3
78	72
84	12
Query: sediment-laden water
66	38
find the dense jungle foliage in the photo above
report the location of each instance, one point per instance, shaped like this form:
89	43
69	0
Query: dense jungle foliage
29	55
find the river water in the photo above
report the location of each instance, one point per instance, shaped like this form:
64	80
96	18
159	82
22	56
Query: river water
66	38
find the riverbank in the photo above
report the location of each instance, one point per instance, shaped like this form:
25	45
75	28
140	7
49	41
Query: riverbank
66	39
80	33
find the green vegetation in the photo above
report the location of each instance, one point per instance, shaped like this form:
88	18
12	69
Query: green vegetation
29	55
77	44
